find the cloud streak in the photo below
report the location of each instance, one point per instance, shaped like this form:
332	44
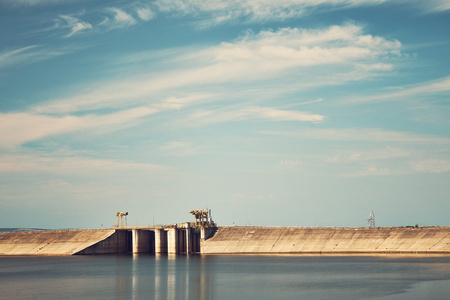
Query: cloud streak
119	19
71	23
204	117
438	86
251	58
217	12
19	128
375	135
31	54
19	163
145	13
404	153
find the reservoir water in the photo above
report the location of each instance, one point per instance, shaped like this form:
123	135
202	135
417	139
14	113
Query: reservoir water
225	277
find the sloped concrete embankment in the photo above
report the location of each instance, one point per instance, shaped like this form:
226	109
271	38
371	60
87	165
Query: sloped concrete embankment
63	242
291	240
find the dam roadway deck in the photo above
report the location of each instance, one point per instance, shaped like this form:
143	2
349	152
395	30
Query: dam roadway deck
323	240
231	240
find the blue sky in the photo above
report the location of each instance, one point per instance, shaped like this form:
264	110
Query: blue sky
284	113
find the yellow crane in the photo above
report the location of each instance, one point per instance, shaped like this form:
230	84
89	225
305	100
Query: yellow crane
201	217
120	218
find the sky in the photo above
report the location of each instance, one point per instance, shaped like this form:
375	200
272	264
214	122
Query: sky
270	113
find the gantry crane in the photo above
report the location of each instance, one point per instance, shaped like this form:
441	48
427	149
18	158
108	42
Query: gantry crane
120	216
202	217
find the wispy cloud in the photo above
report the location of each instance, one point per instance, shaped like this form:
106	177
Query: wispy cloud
220	11
30	54
377	152
438	86
432	165
284	115
178	148
430	6
254	10
413	165
374	170
109	18
44	121
120	18
145	13
36	2
369	155
289	48
19	128
289	165
252	58
70	23
203	117
311	102
345	50
17	163
216	12
361	134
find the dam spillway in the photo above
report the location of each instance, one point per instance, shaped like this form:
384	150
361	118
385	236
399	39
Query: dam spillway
171	239
174	239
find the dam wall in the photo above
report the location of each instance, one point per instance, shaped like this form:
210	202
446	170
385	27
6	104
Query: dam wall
320	240
174	239
120	242
57	242
161	240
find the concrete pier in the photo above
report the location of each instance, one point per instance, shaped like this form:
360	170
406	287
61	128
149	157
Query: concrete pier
143	241
172	241
160	241
189	248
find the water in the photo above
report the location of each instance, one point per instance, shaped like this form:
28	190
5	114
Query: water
225	277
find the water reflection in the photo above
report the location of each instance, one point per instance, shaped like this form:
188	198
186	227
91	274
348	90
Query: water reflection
214	277
223	277
162	277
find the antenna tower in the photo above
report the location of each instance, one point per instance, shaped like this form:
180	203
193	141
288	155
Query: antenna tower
371	220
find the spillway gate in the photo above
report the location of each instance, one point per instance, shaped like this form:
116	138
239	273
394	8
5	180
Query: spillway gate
172	239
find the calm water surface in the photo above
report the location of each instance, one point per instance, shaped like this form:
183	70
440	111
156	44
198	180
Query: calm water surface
224	277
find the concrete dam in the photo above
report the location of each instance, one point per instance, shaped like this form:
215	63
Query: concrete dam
322	240
170	239
183	239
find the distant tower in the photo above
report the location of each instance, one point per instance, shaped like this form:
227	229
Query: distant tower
371	219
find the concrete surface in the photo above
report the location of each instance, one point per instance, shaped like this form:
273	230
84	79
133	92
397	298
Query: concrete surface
290	240
59	242
231	240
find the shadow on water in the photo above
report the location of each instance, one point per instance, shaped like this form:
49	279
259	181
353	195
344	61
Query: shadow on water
223	277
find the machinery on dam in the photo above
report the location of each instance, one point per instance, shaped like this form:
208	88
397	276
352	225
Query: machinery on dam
203	218
184	238
120	217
